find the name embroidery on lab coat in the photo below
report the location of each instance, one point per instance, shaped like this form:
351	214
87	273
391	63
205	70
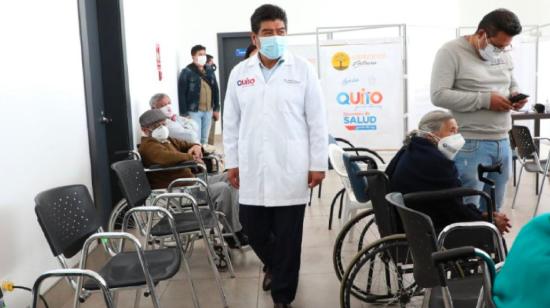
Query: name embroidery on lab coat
292	81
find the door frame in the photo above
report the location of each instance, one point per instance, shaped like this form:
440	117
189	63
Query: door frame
103	55
223	82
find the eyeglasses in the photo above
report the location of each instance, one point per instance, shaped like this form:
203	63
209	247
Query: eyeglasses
498	49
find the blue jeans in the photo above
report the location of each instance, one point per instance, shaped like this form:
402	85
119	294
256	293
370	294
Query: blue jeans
203	119
486	152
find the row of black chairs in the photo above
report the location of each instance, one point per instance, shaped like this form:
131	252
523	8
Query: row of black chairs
71	225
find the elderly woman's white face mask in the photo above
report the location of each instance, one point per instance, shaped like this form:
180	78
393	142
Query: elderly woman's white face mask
449	145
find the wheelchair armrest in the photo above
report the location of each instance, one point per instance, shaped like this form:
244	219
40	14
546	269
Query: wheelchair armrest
453	254
365	159
186	180
371	172
357	150
463	253
450	194
182	165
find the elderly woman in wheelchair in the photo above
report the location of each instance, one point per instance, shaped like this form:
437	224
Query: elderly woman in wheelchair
425	163
383	270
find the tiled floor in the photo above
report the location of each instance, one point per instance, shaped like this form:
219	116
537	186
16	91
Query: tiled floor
318	285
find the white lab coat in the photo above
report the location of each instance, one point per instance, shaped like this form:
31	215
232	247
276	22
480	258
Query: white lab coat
275	132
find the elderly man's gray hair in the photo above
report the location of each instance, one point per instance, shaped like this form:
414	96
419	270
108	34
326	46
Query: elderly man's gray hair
155	98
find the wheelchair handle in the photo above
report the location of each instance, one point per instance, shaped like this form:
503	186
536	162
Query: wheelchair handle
465	252
481	169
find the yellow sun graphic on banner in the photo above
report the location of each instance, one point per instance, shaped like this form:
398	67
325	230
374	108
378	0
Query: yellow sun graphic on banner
340	61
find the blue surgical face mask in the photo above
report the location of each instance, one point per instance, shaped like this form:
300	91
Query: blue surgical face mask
273	47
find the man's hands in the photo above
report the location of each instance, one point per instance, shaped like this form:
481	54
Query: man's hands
502	104
315	178
196	152
233	177
499	103
502	222
216	115
519	104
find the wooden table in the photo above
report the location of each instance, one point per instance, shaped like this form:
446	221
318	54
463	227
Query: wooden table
536	117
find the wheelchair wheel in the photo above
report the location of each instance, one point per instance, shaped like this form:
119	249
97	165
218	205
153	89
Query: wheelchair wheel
137	222
381	273
360	231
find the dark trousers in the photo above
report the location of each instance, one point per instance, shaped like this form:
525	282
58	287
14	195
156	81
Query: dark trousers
275	235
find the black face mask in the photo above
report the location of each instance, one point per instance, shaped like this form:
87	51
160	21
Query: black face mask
213	67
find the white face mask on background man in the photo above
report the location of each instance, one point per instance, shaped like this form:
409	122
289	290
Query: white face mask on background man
167	110
160	133
201	60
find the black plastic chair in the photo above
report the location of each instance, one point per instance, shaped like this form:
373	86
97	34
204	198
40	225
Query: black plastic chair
431	275
70	224
136	190
529	159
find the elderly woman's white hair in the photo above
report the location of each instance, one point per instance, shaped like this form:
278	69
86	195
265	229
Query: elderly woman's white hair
431	122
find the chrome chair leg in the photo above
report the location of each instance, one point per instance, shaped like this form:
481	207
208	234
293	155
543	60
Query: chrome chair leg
517	186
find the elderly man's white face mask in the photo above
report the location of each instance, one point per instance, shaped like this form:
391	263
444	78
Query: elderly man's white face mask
160	133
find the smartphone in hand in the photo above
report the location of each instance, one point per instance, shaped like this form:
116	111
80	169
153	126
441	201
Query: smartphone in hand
518	97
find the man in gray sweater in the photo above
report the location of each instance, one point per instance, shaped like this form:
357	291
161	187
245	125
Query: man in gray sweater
472	77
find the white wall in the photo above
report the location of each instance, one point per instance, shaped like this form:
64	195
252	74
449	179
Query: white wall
43	125
306	16
530	12
146	24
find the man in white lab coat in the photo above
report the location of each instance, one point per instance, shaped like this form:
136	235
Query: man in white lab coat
276	146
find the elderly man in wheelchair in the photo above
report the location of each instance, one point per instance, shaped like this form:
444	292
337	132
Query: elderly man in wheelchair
157	149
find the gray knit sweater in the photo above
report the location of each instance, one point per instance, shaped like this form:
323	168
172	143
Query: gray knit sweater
462	83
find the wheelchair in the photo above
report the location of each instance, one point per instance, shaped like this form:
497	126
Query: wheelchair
382	268
430	258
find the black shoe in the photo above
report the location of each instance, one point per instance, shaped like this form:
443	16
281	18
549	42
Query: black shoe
279	305
266	284
230	240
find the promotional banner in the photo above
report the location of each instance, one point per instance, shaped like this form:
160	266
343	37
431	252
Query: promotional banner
363	87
